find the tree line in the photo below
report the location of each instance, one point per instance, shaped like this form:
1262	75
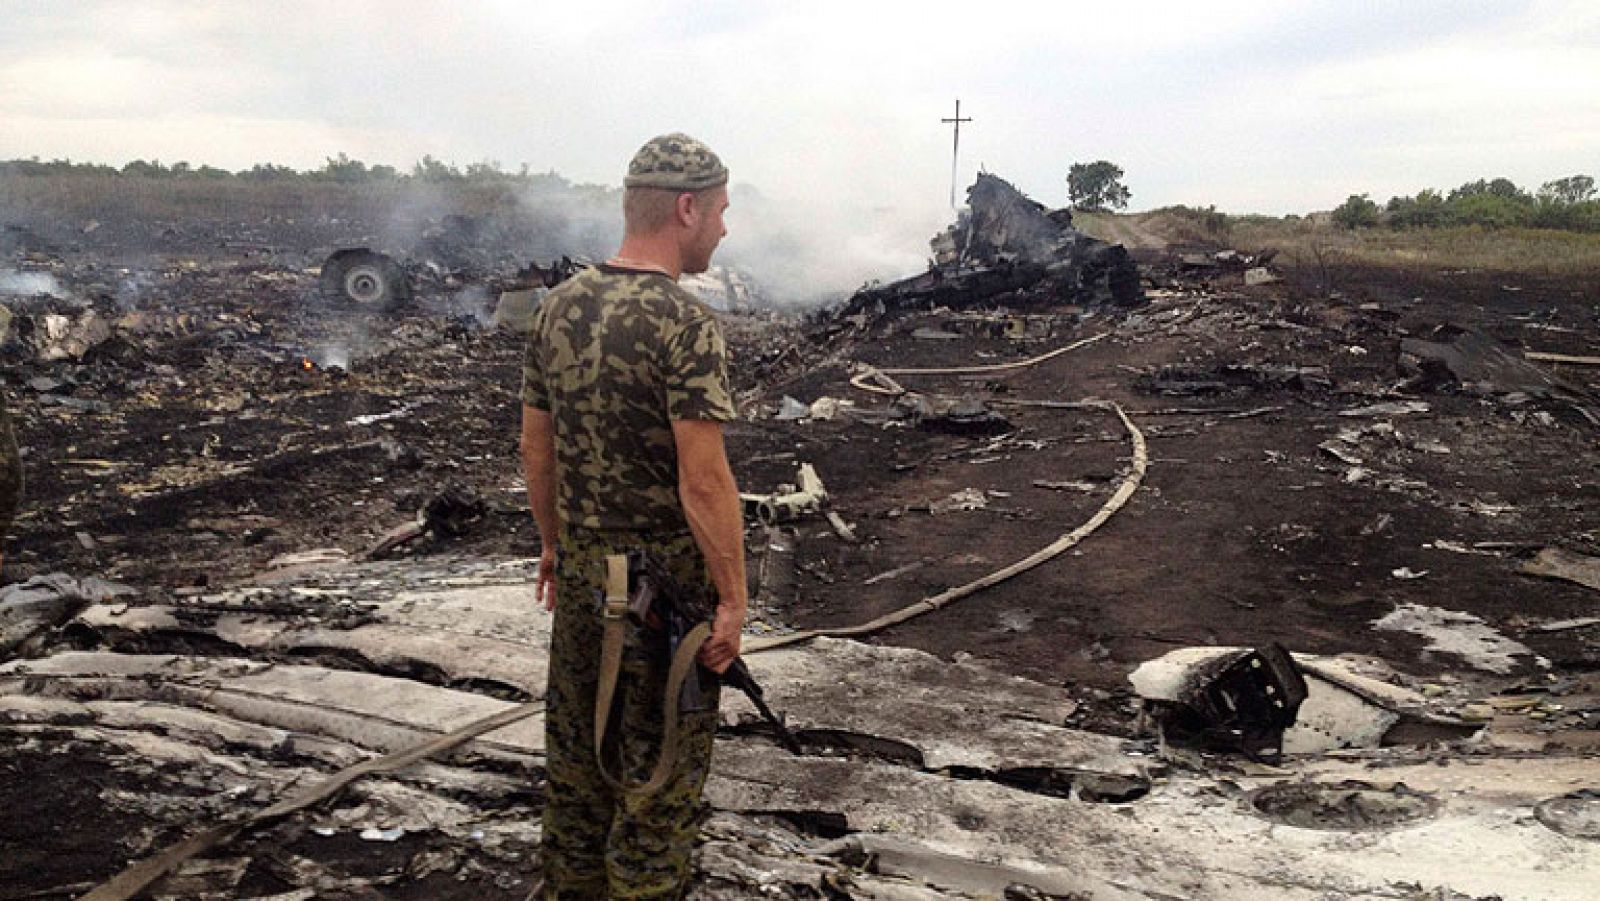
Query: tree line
1567	204
339	169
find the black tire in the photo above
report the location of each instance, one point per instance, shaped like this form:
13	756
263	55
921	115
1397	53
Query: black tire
365	279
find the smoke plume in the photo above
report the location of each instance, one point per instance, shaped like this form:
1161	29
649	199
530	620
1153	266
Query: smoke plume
30	284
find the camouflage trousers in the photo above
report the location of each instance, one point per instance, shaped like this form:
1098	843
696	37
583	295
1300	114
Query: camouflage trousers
599	843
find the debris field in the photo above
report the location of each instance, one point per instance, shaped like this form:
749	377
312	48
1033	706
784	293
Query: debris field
270	534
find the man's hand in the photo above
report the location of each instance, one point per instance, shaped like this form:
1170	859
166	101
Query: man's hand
722	648
544	584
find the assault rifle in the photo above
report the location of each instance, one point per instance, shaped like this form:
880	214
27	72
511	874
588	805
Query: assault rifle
658	601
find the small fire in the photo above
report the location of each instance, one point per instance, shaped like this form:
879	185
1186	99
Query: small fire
307	365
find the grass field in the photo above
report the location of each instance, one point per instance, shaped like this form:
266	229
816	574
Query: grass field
1314	241
1522	251
545	216
122	197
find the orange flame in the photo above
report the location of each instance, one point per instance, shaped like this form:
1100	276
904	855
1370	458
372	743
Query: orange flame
307	365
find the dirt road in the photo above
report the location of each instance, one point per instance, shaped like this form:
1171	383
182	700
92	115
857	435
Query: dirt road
1128	230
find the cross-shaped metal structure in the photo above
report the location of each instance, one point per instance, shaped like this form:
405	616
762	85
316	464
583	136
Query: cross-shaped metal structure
955	156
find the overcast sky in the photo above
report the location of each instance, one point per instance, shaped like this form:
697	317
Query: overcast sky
1255	107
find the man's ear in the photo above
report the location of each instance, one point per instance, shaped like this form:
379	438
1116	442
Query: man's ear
686	210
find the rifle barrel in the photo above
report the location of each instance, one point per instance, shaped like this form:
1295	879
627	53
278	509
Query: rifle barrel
738	676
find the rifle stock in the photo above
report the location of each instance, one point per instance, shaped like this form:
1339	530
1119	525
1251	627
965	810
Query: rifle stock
658	596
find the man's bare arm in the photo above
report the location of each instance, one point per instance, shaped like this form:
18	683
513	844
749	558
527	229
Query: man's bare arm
710	500
539	468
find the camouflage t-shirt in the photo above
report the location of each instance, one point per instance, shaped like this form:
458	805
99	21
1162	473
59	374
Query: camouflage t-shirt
615	355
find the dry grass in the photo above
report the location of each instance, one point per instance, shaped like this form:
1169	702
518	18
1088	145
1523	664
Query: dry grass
1521	251
84	197
1316	243
1172	225
1092	223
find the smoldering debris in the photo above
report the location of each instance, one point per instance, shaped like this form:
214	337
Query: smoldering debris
239	449
1559	563
42	602
330	356
357	661
364	277
1243	701
1461	634
23	283
226	383
1450	358
1265	703
1006	250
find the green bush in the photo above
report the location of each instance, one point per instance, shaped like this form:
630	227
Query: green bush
269	172
1565	204
1491	210
1426	210
1575	217
1207	219
1356	212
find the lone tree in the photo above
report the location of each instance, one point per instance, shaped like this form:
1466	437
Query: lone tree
1097	186
1358	211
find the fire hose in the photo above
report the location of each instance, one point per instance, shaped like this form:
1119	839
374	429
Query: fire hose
889	386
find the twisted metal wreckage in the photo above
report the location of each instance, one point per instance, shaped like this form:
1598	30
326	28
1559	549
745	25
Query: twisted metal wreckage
142	874
922	777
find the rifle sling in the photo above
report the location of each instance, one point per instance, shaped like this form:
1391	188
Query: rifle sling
614	622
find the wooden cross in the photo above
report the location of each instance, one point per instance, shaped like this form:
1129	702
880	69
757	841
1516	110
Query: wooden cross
955	156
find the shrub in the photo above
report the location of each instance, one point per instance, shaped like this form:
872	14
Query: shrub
1576	217
1491	210
1206	222
1426	210
1358	211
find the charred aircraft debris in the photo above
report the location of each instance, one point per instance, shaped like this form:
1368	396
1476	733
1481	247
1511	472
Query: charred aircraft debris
448	258
449	255
1057	562
1007	250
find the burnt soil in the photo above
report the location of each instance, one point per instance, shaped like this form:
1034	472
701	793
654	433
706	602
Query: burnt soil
195	451
208	453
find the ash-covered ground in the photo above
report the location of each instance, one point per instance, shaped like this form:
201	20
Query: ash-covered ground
1345	462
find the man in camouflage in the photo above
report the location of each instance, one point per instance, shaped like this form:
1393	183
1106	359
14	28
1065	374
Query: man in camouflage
625	390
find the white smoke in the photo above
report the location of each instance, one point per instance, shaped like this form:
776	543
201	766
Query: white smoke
799	251
330	356
473	301
816	250
30	284
132	289
578	221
